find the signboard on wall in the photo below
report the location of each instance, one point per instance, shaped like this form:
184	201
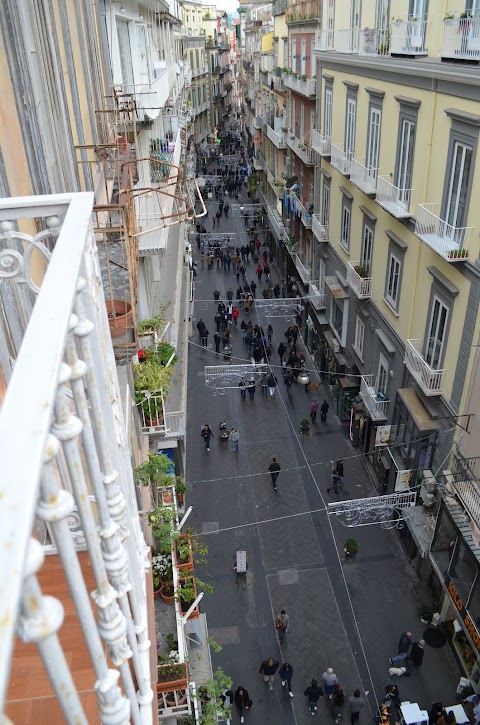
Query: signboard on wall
402	482
382	435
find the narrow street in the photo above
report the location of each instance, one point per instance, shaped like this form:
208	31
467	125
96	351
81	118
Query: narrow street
347	616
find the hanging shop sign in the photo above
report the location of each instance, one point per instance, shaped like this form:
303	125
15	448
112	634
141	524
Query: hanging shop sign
463	613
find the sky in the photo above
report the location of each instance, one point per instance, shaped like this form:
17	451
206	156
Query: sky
229	5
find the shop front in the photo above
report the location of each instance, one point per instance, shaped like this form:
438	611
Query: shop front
456	583
335	371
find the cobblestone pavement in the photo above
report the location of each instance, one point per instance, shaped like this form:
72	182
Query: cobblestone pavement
344	615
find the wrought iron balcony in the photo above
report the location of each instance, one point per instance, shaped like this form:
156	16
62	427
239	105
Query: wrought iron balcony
78	465
341	160
321	144
316	295
277	138
407	37
301	148
306	87
429	380
392	198
375	402
449	242
361	285
364	178
320	230
461	39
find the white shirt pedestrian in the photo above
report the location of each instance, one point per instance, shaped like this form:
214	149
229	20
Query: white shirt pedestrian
233	438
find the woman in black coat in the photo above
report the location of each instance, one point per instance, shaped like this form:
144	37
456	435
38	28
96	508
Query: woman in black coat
242	701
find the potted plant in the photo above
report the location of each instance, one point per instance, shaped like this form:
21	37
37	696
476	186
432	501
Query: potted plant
120	317
162	521
425	614
180	488
172	676
216	294
304	425
162	573
187	593
183	553
151	380
350	549
210	701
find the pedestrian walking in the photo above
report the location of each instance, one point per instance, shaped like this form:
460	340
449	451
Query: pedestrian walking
259	271
313	410
205	335
274	469
242	701
392	695
217	340
404	645
417	652
289	378
281	351
233	438
338	702
229	294
314	693
268	669
335	482
206	434
263	383
251	386
269	333
356	704
272	384
243	388
253	287
286	673
330	680
323	411
281	625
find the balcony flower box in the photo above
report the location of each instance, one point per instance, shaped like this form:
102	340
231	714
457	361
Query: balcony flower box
187	595
172	677
361	271
455	254
183	553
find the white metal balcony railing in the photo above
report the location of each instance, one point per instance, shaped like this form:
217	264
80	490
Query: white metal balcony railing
363	177
76	442
392	198
320	230
374	41
375	402
304	273
317	295
277	138
429	380
464	478
324	40
260	123
306	87
301	148
305	214
461	39
150	98
347	40
278	83
340	159
362	286
276	222
321	144
449	242
407	37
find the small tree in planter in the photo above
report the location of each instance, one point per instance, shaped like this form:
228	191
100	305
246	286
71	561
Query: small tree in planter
187	593
425	613
209	696
350	549
305	425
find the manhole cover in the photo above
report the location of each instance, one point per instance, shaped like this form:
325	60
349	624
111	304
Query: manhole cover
210	527
225	635
287	576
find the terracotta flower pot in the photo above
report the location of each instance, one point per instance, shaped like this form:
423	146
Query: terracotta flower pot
157	592
120	317
167	684
164	592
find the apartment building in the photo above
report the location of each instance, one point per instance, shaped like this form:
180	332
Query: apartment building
194	37
379	221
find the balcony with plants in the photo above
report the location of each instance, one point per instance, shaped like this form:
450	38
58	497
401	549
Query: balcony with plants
374	401
299	83
461	37
448	241
429	379
321	144
407	36
301	147
359	280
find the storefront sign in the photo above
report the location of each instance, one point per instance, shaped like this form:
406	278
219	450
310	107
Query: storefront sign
462	611
403	481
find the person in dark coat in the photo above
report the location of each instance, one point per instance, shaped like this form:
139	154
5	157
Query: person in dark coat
268	669
217	339
242	701
286	674
274	469
403	648
323	411
314	693
417	652
206	434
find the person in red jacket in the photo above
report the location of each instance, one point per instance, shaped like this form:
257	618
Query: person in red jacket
259	271
235	314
